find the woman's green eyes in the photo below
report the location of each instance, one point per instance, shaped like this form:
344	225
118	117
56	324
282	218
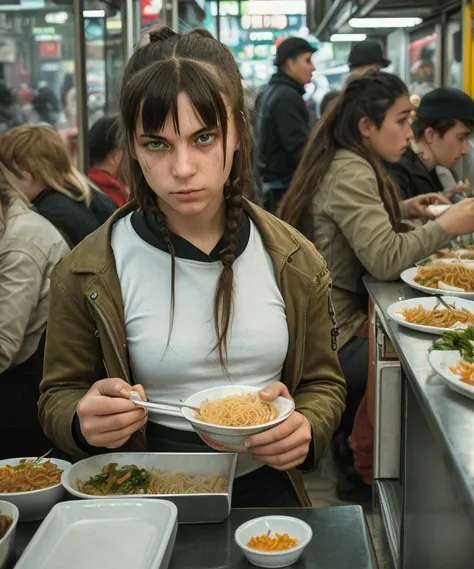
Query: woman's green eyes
201	140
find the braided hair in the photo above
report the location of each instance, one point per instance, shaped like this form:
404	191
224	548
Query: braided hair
164	65
370	95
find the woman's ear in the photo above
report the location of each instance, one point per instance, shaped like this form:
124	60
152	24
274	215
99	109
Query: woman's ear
366	127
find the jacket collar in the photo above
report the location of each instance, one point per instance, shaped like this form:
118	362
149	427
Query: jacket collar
280	78
94	254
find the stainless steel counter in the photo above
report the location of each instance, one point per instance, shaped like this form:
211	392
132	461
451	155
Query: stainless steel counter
437	452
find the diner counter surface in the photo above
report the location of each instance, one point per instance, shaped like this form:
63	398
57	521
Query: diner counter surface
341	540
449	415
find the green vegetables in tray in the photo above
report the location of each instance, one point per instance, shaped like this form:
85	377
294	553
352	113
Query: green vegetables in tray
118	480
460	340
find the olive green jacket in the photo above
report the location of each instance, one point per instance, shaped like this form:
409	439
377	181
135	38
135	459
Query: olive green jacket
86	337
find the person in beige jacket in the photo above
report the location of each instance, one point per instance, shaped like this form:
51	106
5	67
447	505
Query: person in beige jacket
343	199
29	249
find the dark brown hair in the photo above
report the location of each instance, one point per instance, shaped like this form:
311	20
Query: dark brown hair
440	126
370	95
197	64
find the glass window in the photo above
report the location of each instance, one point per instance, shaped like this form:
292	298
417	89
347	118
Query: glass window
422	54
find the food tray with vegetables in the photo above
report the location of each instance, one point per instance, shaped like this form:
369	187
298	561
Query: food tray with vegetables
452	358
200	484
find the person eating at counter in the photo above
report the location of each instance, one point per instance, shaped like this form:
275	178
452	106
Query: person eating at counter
344	200
191	286
443	124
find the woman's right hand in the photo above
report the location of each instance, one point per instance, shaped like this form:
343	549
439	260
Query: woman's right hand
459	219
107	416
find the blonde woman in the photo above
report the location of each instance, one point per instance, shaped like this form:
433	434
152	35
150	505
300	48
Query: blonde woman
39	166
29	249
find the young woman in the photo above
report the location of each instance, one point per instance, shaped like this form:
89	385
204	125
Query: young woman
191	286
39	165
342	198
29	248
104	159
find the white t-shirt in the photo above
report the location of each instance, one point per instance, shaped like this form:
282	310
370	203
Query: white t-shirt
171	372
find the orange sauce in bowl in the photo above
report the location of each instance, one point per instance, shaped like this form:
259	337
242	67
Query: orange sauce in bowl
279	542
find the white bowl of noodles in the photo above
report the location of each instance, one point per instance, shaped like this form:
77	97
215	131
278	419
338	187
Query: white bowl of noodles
33	490
232	413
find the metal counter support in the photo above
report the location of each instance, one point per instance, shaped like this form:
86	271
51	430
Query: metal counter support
437	478
81	85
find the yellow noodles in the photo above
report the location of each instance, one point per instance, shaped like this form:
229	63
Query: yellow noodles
457	276
161	482
437	317
28	476
237	411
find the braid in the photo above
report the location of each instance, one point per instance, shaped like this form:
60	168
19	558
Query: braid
224	290
165	233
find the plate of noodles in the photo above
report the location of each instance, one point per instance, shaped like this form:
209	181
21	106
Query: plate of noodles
429	315
32	484
200	484
231	413
443	279
457	373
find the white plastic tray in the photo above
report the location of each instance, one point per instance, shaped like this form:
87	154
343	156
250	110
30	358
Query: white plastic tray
98	534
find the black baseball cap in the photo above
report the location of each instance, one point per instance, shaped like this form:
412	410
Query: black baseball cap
446	103
367	52
292	47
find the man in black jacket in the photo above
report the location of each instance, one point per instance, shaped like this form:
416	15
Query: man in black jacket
444	122
283	127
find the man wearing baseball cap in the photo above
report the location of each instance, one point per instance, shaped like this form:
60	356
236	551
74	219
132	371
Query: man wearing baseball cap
283	124
365	56
441	130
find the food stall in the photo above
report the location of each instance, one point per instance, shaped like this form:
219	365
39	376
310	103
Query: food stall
424	445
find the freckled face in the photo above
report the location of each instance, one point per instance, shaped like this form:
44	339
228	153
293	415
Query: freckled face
186	170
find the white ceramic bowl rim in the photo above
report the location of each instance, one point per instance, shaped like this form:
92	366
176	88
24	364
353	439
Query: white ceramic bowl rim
34	492
245	389
15	517
301	544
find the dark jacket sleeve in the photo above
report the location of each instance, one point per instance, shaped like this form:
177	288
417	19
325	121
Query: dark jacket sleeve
101	206
292	125
403	178
76	222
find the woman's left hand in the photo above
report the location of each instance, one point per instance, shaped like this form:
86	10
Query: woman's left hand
286	446
417	207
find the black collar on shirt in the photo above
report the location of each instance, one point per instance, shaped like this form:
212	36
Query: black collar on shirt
147	228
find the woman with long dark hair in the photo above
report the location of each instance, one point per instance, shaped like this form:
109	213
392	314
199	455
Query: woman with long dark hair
191	286
343	199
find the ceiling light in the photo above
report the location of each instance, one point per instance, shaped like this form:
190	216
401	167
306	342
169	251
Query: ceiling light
348	37
93	13
384	22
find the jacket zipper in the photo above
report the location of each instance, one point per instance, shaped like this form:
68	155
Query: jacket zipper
298	495
114	343
119	357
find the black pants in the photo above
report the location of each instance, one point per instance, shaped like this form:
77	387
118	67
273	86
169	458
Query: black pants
262	488
20	431
354	360
272	198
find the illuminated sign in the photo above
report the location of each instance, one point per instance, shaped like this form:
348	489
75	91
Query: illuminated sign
260	22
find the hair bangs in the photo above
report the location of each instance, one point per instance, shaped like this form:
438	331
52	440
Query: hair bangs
153	97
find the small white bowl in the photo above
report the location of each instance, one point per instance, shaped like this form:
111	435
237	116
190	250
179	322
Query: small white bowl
35	505
231	439
294	527
7	542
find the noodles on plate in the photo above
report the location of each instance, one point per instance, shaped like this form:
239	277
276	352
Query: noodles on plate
456	276
28	475
280	542
440	318
237	411
123	480
465	371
